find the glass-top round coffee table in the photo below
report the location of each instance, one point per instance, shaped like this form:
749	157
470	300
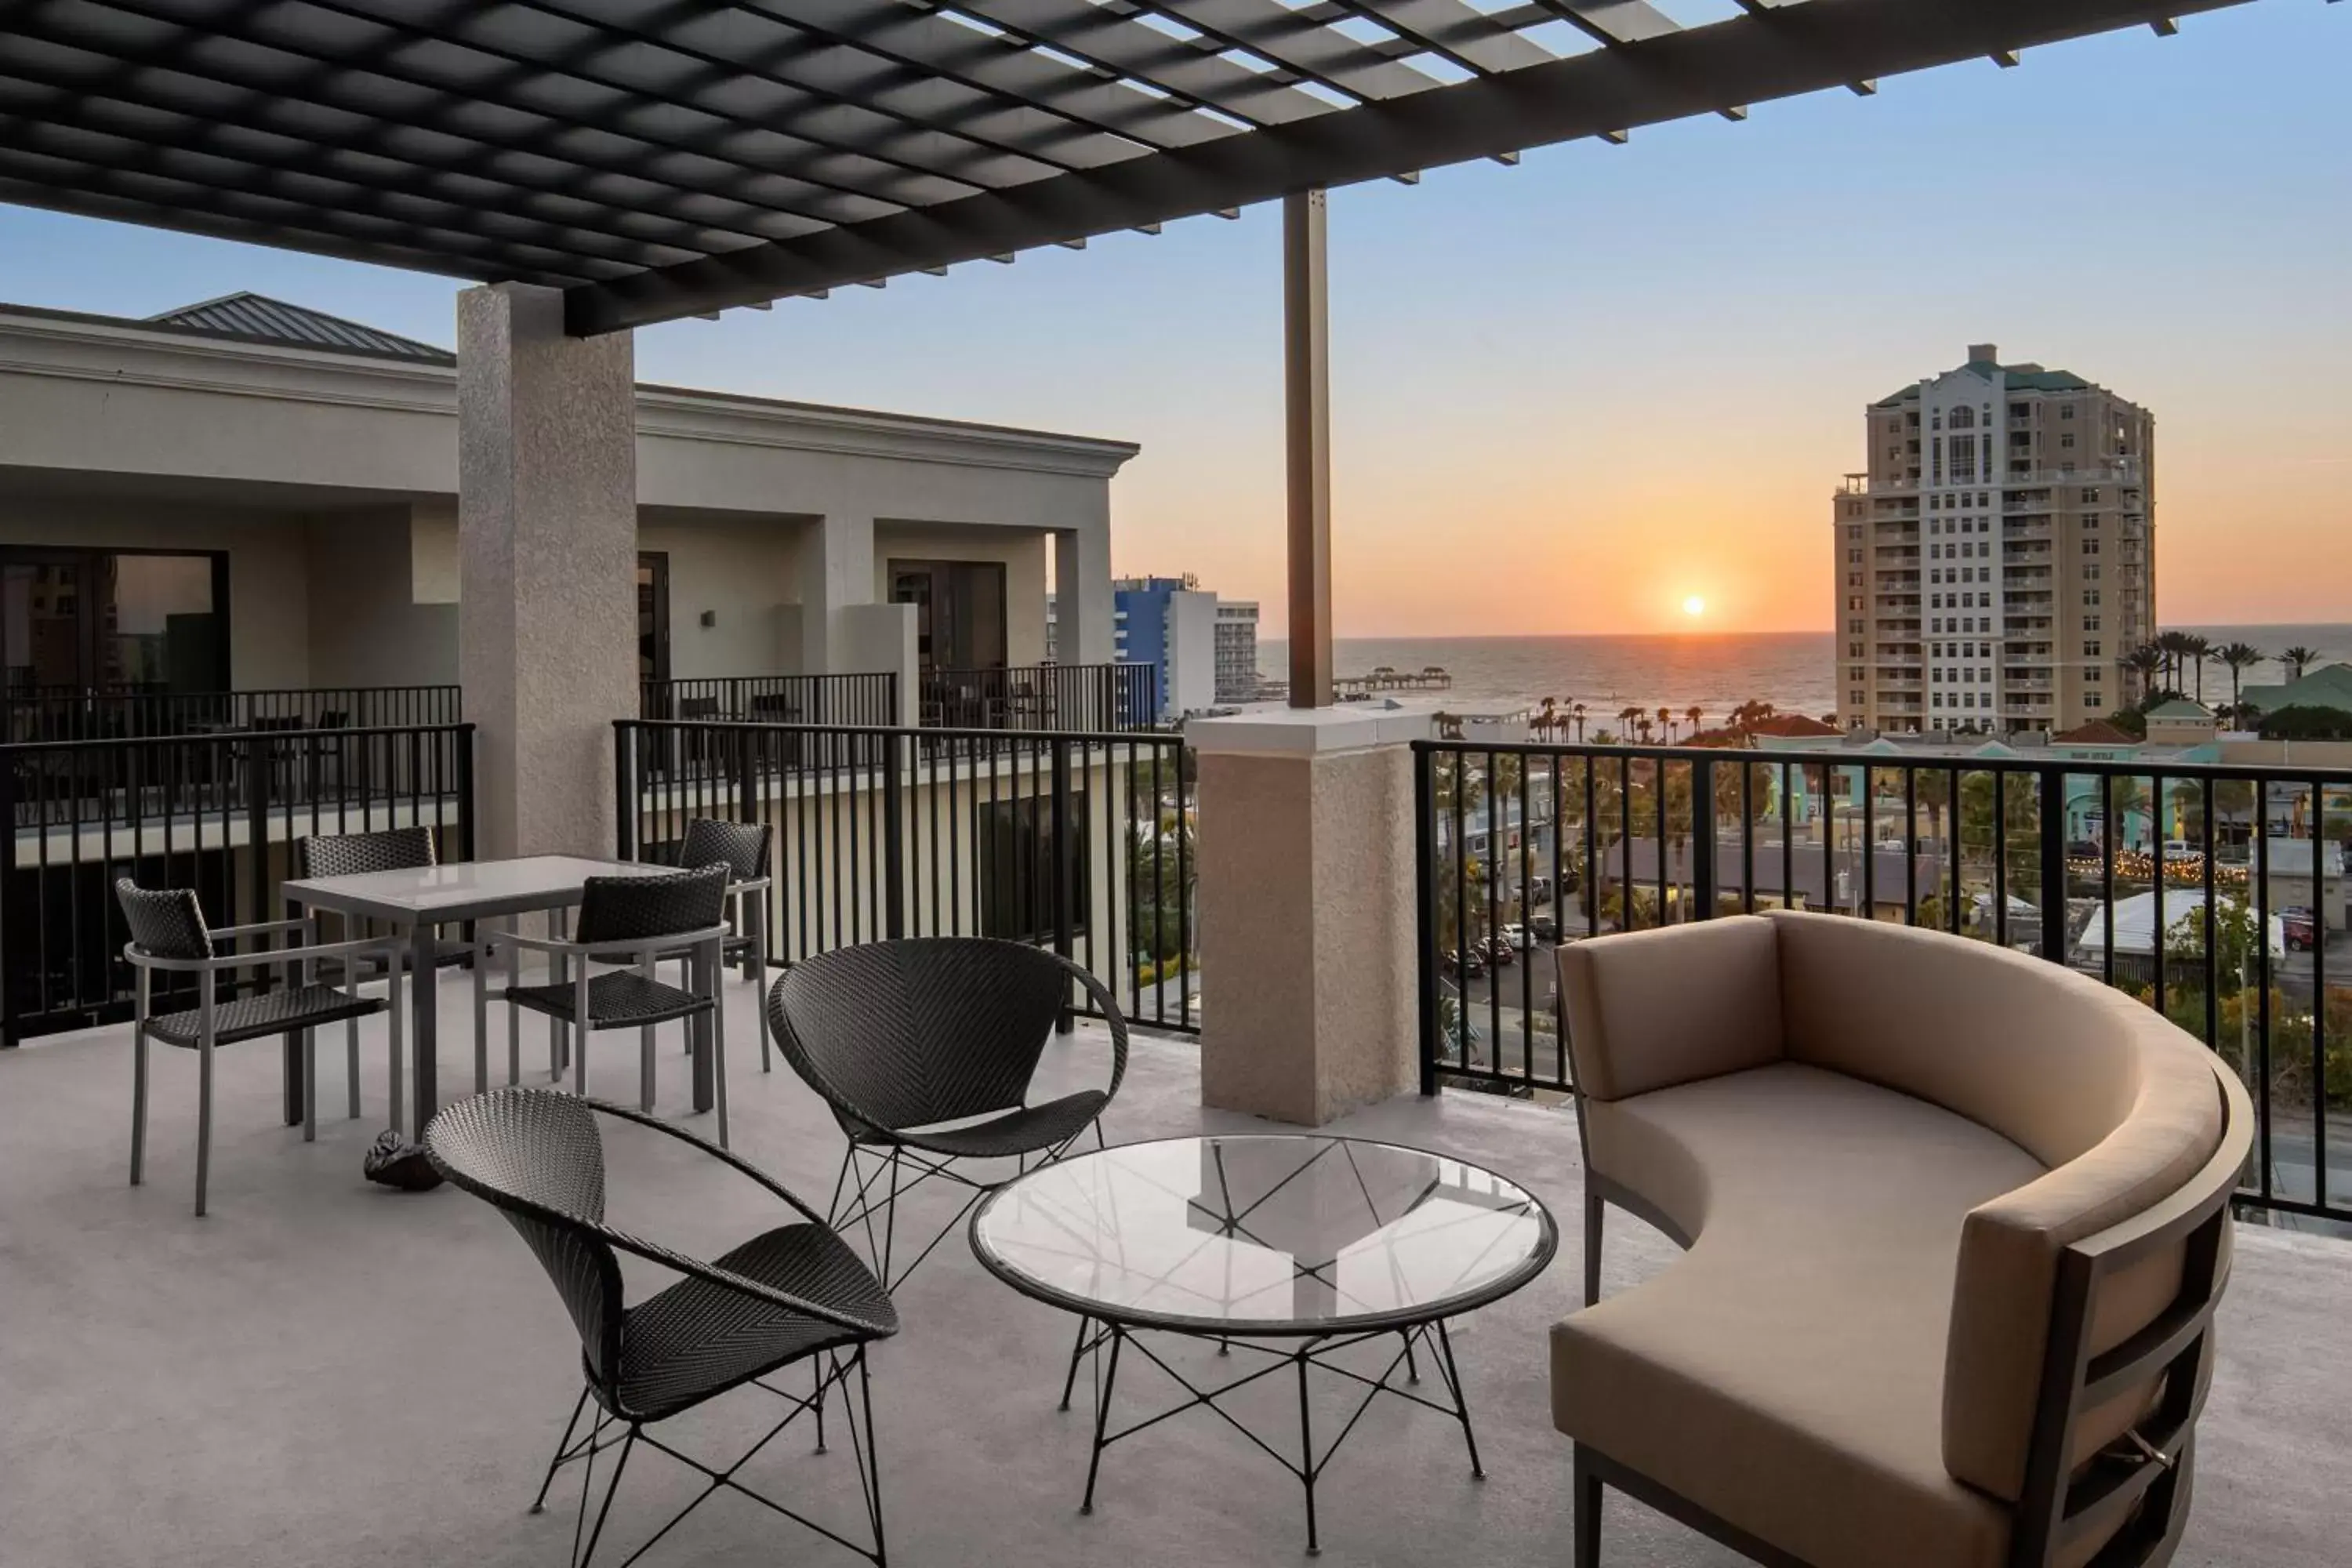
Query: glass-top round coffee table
1300	1249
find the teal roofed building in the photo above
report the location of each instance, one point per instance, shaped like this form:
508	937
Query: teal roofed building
2329	685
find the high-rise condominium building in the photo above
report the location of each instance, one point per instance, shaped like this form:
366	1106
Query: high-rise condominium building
1996	562
1236	650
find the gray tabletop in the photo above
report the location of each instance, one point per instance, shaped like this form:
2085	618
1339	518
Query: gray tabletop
473	890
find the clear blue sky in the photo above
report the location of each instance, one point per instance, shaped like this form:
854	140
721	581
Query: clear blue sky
1614	376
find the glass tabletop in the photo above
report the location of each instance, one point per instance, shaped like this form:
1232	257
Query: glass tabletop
1264	1234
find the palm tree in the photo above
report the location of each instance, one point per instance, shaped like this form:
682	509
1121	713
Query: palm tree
2239	657
1641	721
1694	714
2198	649
2145	661
1577	713
1550	717
2296	658
1666	722
1631	718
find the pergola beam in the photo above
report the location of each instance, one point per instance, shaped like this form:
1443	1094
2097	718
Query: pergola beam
1772	53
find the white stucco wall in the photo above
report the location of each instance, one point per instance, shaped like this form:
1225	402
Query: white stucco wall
741	571
366	626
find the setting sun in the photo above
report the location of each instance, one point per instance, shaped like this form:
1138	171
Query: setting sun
1694	607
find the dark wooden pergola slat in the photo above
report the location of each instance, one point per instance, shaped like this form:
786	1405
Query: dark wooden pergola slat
664	158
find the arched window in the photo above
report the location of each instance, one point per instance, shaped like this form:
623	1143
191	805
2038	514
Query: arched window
1964	419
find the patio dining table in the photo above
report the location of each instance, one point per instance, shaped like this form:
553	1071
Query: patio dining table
422	900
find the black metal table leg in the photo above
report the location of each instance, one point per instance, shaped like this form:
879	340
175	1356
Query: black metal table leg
425	1020
1307	1465
1461	1400
1102	1416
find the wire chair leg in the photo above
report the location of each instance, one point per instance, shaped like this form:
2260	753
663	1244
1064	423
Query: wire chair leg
604	1510
538	1504
816	1402
871	1475
1078	1351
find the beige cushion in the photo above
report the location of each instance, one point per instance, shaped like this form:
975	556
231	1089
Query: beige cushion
1648	1009
2121	1103
1787	1375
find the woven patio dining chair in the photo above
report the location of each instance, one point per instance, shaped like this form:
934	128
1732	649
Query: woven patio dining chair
168	935
635	920
391	849
927	1049
743	847
792	1294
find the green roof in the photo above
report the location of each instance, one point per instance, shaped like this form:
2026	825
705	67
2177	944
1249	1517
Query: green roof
2181	707
2329	685
2025	377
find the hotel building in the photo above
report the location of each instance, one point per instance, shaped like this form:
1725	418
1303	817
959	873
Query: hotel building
1995	563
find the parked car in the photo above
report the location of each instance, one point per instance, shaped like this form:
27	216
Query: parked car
2085	849
2181	849
2302	930
1543	928
1516	935
1469	964
1500	952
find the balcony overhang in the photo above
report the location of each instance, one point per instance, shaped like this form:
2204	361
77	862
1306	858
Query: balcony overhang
660	161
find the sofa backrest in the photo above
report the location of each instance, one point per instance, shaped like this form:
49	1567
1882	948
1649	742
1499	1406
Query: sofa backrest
2122	1106
1647	1010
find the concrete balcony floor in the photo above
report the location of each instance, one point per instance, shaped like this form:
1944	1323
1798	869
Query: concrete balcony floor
323	1372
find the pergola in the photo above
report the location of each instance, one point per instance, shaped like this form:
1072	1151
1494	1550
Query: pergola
624	163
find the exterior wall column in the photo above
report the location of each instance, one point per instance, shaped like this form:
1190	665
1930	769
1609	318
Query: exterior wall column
547	523
1308	910
842	630
1082	595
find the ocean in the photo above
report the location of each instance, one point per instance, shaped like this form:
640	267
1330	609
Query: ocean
1716	672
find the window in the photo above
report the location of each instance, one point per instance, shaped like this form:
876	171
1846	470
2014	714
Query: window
1854	628
2090	700
2090	498
2090	595
1854	579
2067	440
2090	623
143	619
2067	411
1853	602
1854	530
2090	650
2090	547
1938	701
1853	555
1857	698
1853	651
1963	453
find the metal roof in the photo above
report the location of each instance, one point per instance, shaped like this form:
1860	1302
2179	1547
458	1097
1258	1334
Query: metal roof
661	158
262	319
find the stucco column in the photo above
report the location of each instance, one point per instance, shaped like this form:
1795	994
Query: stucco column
835	569
1082	596
547	525
1307	909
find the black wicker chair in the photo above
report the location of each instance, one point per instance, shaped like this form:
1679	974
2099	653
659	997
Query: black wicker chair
743	849
925	1049
792	1294
636	921
391	849
168	934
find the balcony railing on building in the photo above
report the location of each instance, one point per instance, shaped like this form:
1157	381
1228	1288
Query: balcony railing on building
2211	893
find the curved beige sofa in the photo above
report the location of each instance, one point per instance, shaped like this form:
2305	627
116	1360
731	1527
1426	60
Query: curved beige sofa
1955	1219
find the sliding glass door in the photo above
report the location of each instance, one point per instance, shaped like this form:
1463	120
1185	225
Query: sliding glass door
114	619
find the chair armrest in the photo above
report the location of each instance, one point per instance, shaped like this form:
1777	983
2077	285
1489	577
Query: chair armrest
677	1262
284	955
625	1114
636	950
254	928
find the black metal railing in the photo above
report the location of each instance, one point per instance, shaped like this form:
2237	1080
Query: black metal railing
1079	842
1072	699
218	813
863	698
2209	891
33	713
